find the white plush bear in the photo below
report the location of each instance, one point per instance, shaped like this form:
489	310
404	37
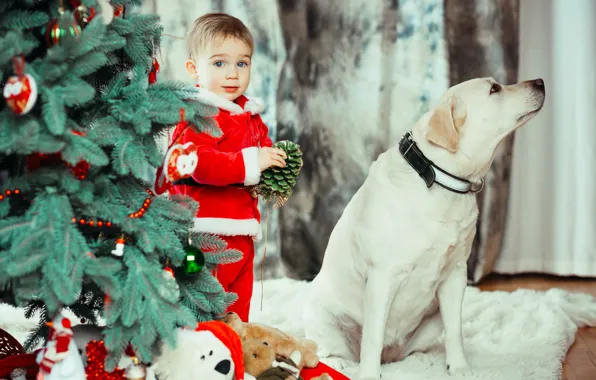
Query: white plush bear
212	351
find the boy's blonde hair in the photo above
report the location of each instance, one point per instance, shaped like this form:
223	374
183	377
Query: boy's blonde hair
215	26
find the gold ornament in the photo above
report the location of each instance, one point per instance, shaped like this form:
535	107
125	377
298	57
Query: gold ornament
136	371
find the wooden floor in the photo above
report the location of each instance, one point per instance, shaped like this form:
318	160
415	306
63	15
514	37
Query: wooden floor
581	359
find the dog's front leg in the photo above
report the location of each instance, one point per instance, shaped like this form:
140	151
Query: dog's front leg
378	294
451	295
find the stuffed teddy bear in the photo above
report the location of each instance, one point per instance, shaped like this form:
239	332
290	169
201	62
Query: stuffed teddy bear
262	363
211	351
283	344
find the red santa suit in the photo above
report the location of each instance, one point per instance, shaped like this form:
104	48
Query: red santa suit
225	166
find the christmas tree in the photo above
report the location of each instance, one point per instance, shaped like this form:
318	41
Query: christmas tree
80	227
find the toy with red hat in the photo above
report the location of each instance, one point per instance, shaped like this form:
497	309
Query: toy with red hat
211	351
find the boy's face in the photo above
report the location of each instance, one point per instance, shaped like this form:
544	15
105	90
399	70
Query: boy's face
223	68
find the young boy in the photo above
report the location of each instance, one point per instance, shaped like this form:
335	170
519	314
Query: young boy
220	48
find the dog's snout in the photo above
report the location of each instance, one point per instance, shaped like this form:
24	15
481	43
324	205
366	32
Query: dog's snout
538	84
223	367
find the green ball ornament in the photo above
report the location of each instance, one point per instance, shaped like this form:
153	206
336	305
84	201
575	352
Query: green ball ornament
194	261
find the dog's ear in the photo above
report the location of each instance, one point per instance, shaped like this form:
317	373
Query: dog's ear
444	124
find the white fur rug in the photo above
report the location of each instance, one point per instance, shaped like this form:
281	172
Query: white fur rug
523	335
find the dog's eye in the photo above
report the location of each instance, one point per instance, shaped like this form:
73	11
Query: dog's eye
254	356
211	353
495	88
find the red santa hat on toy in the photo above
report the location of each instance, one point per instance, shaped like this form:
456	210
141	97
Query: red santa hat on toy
230	339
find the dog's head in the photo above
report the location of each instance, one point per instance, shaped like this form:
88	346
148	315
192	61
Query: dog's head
473	117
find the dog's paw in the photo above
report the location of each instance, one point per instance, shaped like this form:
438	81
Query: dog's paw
458	367
336	363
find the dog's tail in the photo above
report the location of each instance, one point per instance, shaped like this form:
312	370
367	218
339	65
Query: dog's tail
580	308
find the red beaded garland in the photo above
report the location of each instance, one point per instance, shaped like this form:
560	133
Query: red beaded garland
96	356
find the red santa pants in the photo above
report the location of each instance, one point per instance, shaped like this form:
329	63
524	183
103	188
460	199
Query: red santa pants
238	277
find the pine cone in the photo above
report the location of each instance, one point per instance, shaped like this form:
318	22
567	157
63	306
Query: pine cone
276	183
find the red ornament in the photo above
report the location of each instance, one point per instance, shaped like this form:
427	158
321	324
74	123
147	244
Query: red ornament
154	71
180	161
81	169
20	90
82	14
118	10
37	160
96	356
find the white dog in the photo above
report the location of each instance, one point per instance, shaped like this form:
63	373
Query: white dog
398	253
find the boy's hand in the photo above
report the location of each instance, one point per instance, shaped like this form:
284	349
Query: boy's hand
269	157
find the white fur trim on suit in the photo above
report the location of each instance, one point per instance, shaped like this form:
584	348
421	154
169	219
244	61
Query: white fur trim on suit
252	105
252	174
258	237
227	227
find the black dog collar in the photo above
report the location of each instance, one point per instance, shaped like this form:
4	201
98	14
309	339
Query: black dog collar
430	172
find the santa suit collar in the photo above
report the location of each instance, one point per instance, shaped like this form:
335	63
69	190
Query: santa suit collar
241	105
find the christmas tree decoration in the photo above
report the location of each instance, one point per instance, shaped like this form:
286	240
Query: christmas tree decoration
136	370
63	28
80	170
154	71
106	11
92	222
276	183
119	250
82	13
20	90
170	287
83	152
60	359
180	160
39	160
194	261
118	10
142	210
95	368
8	193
